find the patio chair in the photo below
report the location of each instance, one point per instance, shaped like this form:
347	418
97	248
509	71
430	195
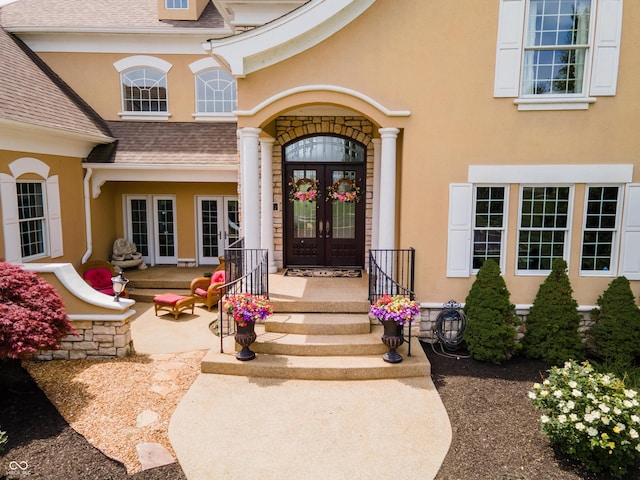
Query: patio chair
205	289
98	273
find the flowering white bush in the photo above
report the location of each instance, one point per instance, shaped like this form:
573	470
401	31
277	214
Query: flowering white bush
590	416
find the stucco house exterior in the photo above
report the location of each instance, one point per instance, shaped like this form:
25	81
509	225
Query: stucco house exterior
502	129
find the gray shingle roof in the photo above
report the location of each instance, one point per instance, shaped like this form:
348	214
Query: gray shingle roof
175	143
99	14
31	93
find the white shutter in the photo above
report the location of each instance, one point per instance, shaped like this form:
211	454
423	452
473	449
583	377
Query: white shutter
54	218
459	244
509	49
606	50
10	225
630	248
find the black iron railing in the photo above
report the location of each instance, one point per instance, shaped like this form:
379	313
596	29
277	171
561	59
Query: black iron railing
392	272
246	271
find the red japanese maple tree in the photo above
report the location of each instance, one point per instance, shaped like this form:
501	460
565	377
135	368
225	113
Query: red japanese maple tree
32	314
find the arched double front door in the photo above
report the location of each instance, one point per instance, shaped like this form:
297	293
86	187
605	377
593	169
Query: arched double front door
324	178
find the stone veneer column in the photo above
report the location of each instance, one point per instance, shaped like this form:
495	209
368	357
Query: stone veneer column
250	187
387	210
266	192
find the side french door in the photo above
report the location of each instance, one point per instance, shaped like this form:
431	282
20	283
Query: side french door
151	224
218	226
325	214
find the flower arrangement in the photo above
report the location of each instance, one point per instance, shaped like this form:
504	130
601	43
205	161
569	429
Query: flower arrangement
590	416
400	309
304	190
344	190
245	308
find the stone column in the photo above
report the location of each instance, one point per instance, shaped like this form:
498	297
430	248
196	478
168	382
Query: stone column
387	218
250	187
266	191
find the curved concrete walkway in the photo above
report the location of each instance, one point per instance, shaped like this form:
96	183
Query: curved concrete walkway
232	427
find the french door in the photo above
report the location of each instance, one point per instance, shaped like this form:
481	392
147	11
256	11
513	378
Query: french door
324	214
218	226
151	225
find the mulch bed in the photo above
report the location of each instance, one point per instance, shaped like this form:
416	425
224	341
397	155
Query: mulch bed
496	431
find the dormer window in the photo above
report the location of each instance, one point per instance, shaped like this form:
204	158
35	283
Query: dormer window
176	4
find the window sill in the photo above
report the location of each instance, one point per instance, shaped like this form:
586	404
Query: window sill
154	116
214	117
553	103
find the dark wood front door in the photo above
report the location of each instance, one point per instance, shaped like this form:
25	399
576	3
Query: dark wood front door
324	214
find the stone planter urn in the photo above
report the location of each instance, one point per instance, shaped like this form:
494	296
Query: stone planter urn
392	338
245	336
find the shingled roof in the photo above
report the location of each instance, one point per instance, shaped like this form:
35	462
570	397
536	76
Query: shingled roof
175	143
91	14
32	94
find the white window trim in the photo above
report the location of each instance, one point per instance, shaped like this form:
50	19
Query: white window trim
141	61
615	244
9	204
167	7
567	239
505	226
200	66
601	67
630	234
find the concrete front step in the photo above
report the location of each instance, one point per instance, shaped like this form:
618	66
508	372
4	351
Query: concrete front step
318	323
319	345
364	367
319	306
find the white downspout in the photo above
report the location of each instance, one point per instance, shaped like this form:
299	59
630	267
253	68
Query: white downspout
87	216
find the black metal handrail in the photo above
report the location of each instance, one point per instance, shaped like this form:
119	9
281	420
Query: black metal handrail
392	272
247	272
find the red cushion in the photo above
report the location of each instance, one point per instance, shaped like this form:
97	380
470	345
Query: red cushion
218	277
98	278
168	298
106	291
201	292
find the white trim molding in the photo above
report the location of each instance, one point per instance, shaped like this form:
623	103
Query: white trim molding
323	88
620	173
203	64
142	61
286	36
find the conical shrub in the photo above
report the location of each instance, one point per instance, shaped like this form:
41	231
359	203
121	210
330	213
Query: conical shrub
616	333
490	334
553	322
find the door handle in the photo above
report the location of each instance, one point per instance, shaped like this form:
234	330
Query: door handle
320	229
328	229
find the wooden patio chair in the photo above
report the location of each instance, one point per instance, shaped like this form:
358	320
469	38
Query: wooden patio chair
205	289
98	273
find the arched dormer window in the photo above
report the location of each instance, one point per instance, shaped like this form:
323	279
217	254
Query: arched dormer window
144	88
216	93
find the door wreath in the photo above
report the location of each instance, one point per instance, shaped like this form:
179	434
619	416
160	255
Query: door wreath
304	190
344	190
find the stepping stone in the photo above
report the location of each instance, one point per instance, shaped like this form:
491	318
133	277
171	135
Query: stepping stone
153	455
163	390
146	418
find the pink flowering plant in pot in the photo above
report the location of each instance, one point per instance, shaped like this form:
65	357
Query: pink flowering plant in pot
397	308
246	308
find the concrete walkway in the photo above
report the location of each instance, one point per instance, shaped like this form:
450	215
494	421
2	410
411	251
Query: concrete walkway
232	427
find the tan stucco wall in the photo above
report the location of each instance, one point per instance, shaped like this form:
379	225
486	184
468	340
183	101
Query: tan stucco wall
98	82
70	176
437	60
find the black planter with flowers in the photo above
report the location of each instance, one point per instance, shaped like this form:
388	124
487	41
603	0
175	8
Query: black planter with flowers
394	312
247	309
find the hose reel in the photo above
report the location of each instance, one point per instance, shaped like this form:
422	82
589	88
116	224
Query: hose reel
450	325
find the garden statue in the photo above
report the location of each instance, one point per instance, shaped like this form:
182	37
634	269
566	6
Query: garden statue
125	255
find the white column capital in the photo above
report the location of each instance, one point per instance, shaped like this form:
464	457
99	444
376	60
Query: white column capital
249	131
267	140
389	132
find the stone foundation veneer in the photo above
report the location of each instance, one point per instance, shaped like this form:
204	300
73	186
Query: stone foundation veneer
429	313
103	326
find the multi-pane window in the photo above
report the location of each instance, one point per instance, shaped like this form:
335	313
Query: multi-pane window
556	46
215	92
488	225
31	218
176	3
144	90
600	227
544	226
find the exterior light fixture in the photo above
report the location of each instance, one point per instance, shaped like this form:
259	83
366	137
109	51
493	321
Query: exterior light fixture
119	282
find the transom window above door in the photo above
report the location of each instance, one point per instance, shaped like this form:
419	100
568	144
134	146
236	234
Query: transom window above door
325	148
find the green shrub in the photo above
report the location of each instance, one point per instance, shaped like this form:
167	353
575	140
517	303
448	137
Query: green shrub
553	322
3	440
616	333
591	417
491	317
